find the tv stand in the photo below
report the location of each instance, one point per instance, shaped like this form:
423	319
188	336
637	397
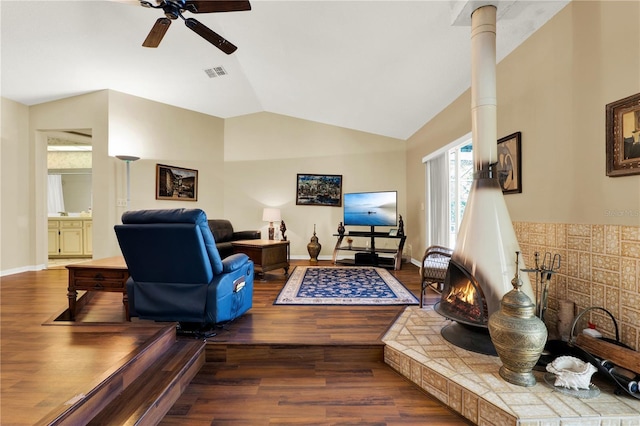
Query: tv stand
371	255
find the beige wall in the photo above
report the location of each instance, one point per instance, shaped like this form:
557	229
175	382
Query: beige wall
121	124
451	124
16	180
163	134
258	167
554	89
264	152
78	112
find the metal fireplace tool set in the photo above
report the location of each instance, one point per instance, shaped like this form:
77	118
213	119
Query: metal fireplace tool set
544	272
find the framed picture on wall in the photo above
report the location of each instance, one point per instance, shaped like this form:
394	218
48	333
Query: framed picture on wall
509	165
176	183
319	190
623	136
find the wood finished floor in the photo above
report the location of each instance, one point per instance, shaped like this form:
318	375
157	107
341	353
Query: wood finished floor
44	366
284	365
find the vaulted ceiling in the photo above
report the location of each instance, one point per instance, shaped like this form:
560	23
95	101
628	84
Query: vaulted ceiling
384	67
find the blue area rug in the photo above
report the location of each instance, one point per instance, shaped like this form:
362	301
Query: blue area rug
319	285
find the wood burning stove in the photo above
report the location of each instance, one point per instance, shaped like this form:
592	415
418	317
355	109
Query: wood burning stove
462	298
463	301
481	266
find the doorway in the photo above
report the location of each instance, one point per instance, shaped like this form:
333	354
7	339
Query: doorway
69	196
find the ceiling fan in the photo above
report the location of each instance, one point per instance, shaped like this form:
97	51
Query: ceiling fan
173	10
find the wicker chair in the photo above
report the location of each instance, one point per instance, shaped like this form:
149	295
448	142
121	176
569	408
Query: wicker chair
433	269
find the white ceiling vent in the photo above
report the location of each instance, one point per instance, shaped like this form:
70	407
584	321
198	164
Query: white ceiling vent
216	72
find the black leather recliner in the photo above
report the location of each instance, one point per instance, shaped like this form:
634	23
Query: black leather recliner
224	234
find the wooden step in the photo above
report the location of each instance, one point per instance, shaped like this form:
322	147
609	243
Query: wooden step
236	354
147	400
86	405
273	384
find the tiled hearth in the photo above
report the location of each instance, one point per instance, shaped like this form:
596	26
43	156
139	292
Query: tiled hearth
469	383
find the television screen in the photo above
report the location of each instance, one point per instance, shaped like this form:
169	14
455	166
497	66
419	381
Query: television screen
371	208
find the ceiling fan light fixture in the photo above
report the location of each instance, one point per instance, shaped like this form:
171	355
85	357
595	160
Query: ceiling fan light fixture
172	10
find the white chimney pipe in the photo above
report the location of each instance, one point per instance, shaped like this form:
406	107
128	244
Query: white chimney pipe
483	87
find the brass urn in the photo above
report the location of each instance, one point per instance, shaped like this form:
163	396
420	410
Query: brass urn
314	247
518	334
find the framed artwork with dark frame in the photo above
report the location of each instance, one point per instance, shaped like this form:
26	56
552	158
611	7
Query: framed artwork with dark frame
176	183
623	136
509	165
319	190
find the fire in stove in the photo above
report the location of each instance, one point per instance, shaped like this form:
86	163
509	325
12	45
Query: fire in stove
462	297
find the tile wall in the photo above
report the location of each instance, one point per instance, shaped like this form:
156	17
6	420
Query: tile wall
600	266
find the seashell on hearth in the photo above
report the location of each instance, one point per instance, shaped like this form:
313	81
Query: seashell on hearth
571	372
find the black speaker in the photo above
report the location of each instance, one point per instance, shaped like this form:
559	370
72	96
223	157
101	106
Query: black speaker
366	259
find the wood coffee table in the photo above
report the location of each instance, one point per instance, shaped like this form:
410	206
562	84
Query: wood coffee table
267	255
108	274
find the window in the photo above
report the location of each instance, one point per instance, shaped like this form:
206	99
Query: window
449	175
460	179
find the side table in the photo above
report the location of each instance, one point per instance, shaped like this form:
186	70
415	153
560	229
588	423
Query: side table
267	255
110	274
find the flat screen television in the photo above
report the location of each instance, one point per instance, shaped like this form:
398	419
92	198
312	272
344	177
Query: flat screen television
371	208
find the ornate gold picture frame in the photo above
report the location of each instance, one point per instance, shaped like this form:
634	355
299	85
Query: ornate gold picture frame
623	136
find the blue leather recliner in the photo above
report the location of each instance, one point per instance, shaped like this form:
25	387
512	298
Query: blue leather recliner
176	273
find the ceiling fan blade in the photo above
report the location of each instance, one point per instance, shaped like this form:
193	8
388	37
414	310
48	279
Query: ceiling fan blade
196	6
212	37
131	2
157	32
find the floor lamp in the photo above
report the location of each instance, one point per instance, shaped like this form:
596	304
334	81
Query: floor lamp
128	159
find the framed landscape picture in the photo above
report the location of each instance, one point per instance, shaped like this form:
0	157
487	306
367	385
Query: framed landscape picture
319	190
176	183
623	136
509	165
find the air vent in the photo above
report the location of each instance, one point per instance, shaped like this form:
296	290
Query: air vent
216	72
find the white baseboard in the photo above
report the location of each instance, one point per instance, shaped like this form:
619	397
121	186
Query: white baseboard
22	269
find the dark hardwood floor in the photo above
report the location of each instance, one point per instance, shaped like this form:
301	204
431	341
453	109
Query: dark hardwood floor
44	366
276	365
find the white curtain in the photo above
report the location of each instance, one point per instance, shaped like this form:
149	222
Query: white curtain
438	200
55	197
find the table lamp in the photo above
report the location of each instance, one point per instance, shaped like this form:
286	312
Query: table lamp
271	215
